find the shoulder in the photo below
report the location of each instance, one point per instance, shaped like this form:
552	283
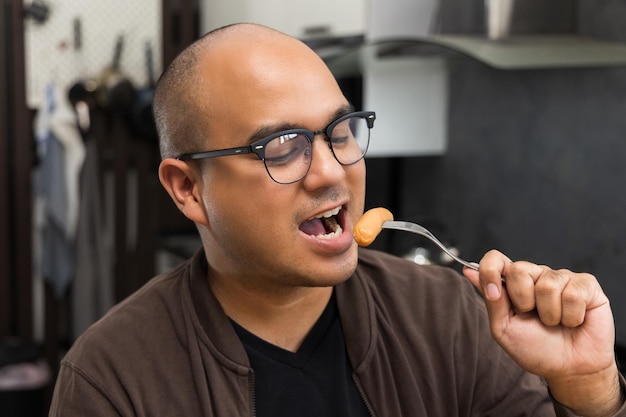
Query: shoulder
120	361
400	283
385	269
146	318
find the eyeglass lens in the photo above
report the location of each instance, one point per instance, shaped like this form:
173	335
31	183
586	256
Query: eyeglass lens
288	156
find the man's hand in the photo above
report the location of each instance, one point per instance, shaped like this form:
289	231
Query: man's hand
555	324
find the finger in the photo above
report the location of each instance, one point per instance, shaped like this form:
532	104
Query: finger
521	279
578	296
549	292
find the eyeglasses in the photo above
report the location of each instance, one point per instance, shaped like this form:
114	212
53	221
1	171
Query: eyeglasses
287	154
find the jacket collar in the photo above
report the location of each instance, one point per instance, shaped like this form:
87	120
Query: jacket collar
354	301
212	325
357	315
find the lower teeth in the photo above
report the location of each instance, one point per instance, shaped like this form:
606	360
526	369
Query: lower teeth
331	235
332	224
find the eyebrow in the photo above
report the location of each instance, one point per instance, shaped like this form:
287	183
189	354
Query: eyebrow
265	131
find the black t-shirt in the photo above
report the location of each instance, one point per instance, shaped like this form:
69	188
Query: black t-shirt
314	381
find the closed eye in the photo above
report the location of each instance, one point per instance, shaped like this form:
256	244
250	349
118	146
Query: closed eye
338	141
285	149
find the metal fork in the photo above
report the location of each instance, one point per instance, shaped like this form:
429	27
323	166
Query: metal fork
416	228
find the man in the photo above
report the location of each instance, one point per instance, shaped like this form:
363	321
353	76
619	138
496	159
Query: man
281	314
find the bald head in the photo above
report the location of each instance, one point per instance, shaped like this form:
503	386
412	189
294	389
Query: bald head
229	70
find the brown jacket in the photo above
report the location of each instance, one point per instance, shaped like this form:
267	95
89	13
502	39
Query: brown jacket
417	337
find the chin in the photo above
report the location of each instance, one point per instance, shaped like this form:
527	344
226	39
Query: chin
325	282
335	274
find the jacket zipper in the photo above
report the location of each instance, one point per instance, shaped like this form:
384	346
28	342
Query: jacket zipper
360	391
252	393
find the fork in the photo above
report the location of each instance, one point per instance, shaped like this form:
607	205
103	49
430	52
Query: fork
420	230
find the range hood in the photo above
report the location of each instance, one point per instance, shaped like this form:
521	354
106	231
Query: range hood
533	34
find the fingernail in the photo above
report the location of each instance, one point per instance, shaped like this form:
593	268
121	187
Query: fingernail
492	292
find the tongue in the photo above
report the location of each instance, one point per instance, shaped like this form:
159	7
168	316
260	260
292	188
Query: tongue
313	227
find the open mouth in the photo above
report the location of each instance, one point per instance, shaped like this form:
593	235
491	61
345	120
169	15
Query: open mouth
324	226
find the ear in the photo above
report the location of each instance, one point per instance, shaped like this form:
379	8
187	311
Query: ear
184	185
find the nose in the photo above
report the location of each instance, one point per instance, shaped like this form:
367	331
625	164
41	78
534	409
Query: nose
325	170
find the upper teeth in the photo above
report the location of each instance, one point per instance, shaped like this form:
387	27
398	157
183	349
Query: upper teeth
328	213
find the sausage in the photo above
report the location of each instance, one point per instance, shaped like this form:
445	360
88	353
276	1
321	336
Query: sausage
370	225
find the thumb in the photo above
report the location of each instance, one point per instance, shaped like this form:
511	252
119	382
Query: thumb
473	276
494	296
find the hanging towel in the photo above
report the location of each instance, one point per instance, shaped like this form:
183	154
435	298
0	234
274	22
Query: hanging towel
93	288
57	194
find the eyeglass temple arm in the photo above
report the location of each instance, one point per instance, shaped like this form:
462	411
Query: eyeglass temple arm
222	152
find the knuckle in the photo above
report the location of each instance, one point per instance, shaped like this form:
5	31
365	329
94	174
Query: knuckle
552	281
549	318
524	306
547	287
572	295
516	269
523	301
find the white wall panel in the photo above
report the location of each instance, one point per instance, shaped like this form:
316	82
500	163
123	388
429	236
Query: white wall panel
296	18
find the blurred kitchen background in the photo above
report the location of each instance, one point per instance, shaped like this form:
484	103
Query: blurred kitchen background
501	124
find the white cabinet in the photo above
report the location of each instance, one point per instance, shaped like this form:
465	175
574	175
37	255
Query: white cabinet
410	97
302	19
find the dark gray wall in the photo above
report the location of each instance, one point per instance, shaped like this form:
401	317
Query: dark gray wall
535	167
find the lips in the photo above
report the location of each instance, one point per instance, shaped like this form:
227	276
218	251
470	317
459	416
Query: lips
325	225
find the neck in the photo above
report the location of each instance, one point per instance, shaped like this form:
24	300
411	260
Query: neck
280	317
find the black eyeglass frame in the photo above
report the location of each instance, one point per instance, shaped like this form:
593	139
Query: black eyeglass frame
258	147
